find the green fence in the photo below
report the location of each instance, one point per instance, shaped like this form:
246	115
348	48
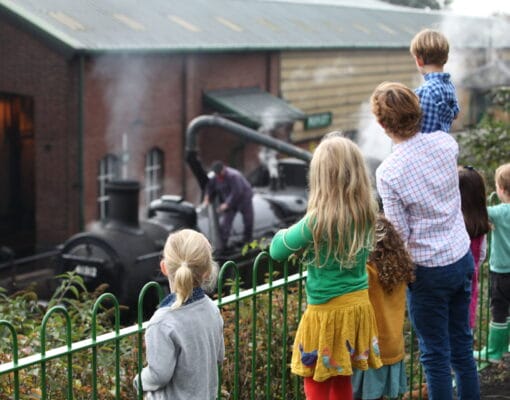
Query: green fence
260	324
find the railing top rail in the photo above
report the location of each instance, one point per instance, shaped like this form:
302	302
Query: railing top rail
135	329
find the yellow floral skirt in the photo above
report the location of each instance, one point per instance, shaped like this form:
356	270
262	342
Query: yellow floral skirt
335	337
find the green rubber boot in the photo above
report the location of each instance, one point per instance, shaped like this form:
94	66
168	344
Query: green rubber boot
498	343
508	325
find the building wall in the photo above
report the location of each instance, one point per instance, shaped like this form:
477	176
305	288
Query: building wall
29	67
342	82
150	100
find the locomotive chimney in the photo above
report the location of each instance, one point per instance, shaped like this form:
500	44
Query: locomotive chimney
123	204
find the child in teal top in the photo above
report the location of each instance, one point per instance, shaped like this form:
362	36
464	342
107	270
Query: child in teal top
338	330
499	263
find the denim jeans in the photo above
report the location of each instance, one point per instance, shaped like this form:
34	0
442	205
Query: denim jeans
438	304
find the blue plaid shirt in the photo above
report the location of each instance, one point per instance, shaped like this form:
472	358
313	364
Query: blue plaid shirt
438	102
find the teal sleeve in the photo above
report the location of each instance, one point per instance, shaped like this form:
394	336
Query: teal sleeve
493	212
291	240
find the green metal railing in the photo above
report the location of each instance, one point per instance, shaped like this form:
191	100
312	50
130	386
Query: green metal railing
260	324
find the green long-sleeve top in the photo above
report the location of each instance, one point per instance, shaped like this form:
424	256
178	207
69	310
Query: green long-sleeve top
330	279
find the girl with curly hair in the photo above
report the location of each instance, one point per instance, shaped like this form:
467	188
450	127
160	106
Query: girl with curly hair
390	269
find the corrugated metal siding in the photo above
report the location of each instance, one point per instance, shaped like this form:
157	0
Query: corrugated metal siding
340	82
177	25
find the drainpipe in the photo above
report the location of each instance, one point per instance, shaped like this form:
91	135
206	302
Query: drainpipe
81	201
184	116
239	130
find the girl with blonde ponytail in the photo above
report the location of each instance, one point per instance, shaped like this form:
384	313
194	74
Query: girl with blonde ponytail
184	337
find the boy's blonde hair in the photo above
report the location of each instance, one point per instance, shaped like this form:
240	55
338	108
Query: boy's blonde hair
341	205
397	109
502	177
187	256
431	46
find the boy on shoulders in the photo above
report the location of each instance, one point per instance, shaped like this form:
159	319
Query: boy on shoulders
438	100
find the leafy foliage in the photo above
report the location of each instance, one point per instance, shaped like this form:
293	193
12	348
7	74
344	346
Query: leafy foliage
488	145
24	311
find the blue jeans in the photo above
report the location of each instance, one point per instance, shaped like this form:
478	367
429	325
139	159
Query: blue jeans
438	304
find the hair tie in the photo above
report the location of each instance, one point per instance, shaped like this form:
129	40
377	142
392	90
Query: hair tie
184	264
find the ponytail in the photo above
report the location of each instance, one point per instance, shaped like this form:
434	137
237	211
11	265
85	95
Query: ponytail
182	284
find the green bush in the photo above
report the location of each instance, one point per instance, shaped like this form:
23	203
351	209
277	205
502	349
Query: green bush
487	146
24	311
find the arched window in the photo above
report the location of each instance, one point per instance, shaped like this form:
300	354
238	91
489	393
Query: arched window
154	162
108	170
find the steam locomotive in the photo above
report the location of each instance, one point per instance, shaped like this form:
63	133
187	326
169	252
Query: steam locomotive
124	251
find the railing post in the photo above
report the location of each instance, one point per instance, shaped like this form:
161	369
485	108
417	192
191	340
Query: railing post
97	304
14	338
141	298
224	268
69	354
269	331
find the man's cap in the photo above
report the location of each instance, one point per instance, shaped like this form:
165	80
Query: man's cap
217	167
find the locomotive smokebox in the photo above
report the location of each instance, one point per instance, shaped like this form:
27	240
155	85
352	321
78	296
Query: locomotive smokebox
118	250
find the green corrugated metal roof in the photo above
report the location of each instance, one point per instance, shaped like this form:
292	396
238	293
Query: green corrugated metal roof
252	107
181	25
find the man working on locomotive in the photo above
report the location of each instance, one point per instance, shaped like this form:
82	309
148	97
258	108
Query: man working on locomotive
235	194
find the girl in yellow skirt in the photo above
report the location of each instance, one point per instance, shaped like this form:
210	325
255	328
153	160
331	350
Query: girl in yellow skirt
338	329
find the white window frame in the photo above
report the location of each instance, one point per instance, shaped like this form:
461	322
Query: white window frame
108	170
154	170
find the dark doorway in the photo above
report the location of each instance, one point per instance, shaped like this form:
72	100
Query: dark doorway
17	183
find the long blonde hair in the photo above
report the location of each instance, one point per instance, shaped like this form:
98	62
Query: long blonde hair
188	260
341	206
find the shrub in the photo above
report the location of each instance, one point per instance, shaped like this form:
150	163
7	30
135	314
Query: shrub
488	145
24	311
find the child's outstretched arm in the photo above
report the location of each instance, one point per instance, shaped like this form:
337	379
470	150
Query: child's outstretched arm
291	240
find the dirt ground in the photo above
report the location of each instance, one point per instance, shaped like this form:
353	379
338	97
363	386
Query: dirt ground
495	380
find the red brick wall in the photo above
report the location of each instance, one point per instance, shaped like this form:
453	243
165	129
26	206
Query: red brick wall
29	67
141	97
152	98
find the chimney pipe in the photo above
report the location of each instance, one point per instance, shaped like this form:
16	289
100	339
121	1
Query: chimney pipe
123	204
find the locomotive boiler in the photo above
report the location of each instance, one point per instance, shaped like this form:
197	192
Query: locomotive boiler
124	250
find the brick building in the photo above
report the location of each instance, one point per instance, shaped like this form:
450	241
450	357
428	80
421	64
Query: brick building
100	89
